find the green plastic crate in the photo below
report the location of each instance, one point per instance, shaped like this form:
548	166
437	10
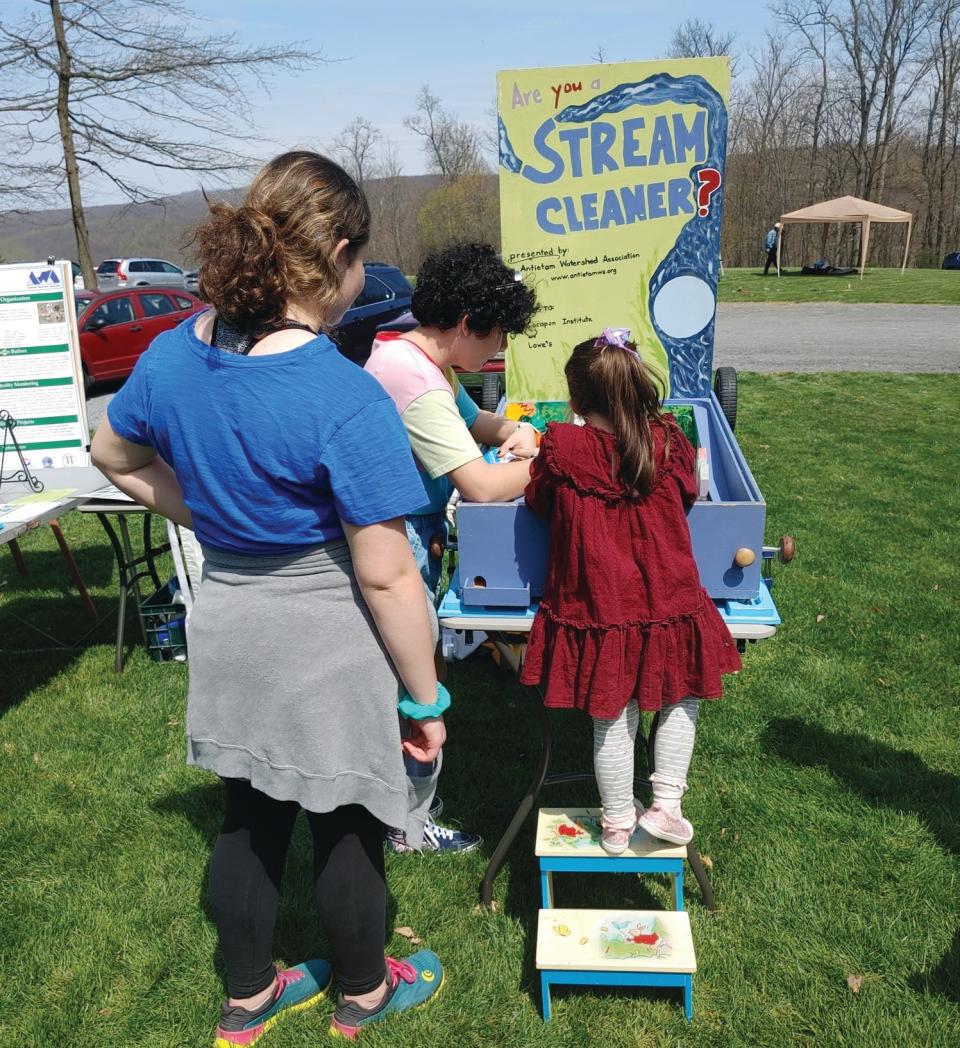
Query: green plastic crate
165	627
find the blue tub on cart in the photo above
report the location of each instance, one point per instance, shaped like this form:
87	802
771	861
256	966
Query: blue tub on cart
503	545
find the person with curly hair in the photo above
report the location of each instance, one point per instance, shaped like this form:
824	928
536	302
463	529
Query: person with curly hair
291	465
466	302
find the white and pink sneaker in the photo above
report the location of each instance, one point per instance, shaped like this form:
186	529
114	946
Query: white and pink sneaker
616	839
666	826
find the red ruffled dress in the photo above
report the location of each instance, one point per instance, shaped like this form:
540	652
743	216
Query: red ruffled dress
623	614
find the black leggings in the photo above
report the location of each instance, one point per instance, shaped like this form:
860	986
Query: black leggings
349	885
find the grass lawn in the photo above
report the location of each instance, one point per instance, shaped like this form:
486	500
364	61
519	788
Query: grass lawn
917	286
825	791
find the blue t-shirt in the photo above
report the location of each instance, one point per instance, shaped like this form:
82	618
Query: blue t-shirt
271	452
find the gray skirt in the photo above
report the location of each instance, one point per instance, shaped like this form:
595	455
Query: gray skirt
290	686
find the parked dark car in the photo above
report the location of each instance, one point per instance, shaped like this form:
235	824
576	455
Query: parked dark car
952	261
386	294
117	326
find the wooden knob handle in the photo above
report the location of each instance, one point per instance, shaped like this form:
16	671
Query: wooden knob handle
788	549
744	557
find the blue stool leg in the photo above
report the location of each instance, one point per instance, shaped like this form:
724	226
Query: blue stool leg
545	996
688	998
678	889
546	889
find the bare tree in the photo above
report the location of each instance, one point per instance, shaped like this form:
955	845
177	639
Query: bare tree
876	46
110	86
453	148
940	149
355	148
394	203
698	39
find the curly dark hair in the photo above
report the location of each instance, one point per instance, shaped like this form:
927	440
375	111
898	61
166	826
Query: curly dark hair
469	280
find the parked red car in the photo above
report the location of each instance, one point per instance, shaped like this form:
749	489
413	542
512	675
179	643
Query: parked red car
117	326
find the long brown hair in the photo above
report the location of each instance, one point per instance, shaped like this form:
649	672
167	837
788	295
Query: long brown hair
278	244
611	380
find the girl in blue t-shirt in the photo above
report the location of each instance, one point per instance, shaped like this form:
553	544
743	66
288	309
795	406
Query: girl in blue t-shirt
293	468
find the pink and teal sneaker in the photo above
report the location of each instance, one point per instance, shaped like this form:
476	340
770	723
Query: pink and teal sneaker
297	988
410	984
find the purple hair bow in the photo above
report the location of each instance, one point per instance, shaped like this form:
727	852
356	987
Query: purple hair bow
615	337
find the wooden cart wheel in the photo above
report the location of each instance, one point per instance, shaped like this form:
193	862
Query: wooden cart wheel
788	549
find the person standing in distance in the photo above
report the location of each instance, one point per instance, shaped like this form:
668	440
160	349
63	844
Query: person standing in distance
770	246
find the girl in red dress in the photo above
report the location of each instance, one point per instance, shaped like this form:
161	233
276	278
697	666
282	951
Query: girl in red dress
624	624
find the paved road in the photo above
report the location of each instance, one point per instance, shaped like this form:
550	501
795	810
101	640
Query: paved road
805	337
837	337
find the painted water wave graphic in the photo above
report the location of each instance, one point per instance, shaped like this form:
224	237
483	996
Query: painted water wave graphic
696	251
508	157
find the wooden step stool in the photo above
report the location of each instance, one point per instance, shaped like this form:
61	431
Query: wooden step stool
615	948
568	841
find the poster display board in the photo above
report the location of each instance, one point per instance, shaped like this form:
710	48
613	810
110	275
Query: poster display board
611	197
41	379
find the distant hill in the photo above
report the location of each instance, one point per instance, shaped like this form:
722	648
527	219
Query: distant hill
117	230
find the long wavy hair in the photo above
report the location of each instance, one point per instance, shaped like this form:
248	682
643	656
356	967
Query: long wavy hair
277	246
610	380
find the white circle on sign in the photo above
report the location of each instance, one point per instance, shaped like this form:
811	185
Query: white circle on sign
684	306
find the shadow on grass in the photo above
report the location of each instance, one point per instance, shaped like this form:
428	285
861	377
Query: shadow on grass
885	776
41	637
47	569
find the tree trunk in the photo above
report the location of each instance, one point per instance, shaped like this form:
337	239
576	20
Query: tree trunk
69	153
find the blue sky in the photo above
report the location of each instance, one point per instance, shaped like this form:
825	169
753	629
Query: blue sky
382	52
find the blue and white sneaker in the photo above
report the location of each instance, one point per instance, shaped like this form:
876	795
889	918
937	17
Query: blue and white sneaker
445	839
436	838
397	839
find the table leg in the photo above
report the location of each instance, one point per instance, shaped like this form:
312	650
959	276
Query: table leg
526	805
121	620
122	574
126	567
706	889
17	555
149	551
133	578
72	568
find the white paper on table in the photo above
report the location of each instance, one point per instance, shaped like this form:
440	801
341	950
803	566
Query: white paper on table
29	511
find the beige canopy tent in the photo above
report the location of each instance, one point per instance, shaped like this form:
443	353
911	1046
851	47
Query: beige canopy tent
850	209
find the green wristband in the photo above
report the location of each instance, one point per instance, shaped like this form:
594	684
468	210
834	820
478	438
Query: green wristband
413	710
